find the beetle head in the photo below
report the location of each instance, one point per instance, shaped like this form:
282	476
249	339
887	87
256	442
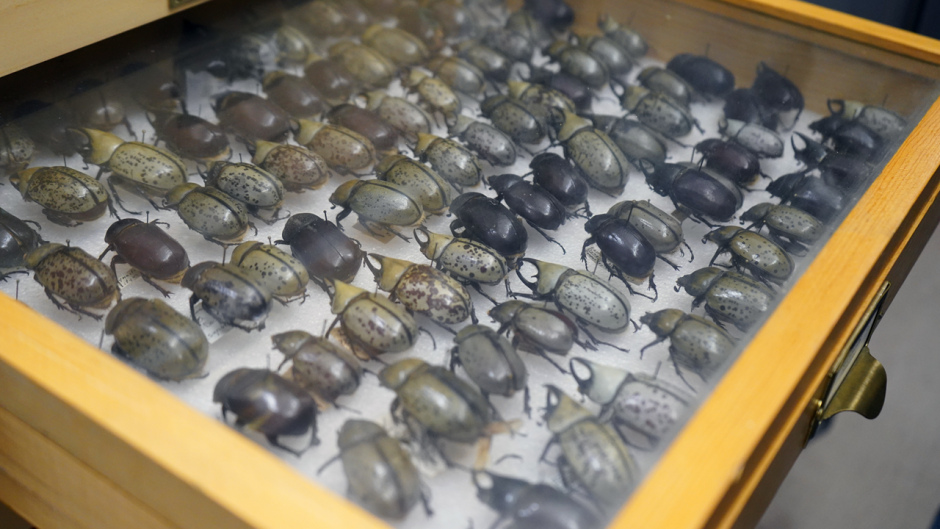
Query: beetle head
501	183
506	311
561	411
296	223
342	294
341	196
662	323
37	255
357	431
571	124
597	382
722	235
388	271
395	375
118	226
178	193
782	187
193	274
462	200
699	281
498	492
757	212
812	153
304	130
596	221
432	244
95	146
546	278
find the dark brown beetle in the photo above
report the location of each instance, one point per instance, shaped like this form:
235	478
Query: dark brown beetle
251	117
16	240
330	78
357	17
293	94
46	124
98	108
420	22
268	403
325	251
147	248
322	18
190	136
730	160
154	86
298	168
383	135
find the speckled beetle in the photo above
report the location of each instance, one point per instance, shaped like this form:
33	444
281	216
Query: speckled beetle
662	230
16	149
148	249
625	252
598	158
229	294
296	167
536	95
519	120
881	121
293	94
511	44
579	63
484	219
379	473
249	184
591	452
535	329
372	323
408	118
67	196
16	240
458	74
839	170
278	272
658	111
251	117
667	82
778	94
627	38
728	296
418	180
434	93
756	138
344	150
98	107
209	212
264	401
82	281
578	92
536	206
379	205
450	159
326	369
422	289
810	194
751	251
705	75
369	67
46	124
382	134
493	64
557	176
695	342
490	361
632	403
469	261
190	136
798	228
325	251
330	78
532	504
731	160
636	140
403	48
492	144
699	192
156	338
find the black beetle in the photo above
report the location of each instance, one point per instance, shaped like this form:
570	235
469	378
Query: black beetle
484	219
533	505
744	105
557	176
848	137
844	172
704	74
324	250
810	194
571	86
535	205
699	192
624	250
16	240
778	94
553	14
730	160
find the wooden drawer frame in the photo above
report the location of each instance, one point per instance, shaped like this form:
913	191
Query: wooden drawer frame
86	442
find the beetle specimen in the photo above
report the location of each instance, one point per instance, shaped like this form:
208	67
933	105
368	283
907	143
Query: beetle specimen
490	361
731	160
636	140
67	272
295	95
190	136
372	323
324	250
705	75
251	117
369	67
579	63
660	229
541	97
229	294
416	179
382	134
276	271
525	22
379	205
572	87
16	149
842	171
484	219
156	338
148	249
408	118
698	192
695	342
744	105
535	205
249	184
751	251
881	121
16	240
599	159
798	228
327	370
209	212
667	82
422	289
756	138
849	137
631	402
397	44
96	107
266	402
469	261
658	111
344	150
46	124
292	45
557	176
458	74
454	17
296	167
493	64
536	330
511	44
778	94
67	196
728	296
450	159
604	467
330	78
625	252
532	504
608	52
420	22
521	121
627	38
810	194
434	93
322	18
492	144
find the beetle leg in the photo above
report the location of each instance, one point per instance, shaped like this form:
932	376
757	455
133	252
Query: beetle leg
548	446
479	289
192	307
342	215
274	442
431	336
149	281
547	238
454	359
329	462
79	310
691	253
58	305
584	248
672	357
60	219
526	408
652	286
599	342
668	262
543	354
442	326
659	340
425	500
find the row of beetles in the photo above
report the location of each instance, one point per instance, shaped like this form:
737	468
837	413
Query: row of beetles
446	54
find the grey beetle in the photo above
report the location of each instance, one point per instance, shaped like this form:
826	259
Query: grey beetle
418	180
492	63
250	185
752	251
511	44
379	205
274	269
469	261
345	151
658	111
435	93
16	149
756	138
70	273
521	121
422	289
533	505
403	48
633	403
661	229
450	159
296	167
695	342
326	369
142	167
610	53
629	40
209	212
800	229
603	466
601	162
156	338
667	82
490	361
409	118
67	196
535	329
881	121
367	65
540	96
579	63
522	22
372	323
636	140
728	296
458	74
229	294
492	144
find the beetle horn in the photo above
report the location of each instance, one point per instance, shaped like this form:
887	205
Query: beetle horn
533	285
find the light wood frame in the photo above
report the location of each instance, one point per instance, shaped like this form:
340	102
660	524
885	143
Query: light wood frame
86	442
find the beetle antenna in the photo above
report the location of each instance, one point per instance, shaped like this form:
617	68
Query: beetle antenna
433	341
17	290
101	339
507	456
224	252
329	462
68	243
148	217
240	158
65	161
659	365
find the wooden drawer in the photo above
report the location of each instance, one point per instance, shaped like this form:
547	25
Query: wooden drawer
86	442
